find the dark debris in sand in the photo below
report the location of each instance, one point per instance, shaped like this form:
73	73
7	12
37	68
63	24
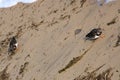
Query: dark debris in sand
113	21
105	75
4	75
77	31
74	61
82	2
23	67
118	41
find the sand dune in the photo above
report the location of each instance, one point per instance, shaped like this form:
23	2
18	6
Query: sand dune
52	45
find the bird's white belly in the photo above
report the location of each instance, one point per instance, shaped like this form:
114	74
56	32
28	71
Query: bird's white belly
96	36
16	44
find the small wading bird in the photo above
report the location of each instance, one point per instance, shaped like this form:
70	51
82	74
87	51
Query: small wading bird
13	45
94	34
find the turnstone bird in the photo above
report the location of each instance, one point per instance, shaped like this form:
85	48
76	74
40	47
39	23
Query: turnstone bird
13	45
94	34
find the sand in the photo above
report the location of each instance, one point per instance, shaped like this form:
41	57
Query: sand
52	45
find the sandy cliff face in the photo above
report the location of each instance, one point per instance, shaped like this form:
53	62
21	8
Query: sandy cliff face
51	41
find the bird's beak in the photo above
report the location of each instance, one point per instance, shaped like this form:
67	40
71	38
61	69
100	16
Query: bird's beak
102	36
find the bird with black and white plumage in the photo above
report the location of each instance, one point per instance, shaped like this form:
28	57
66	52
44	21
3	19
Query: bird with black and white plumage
13	45
94	34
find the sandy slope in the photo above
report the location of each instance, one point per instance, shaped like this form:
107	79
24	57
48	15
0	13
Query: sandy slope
48	41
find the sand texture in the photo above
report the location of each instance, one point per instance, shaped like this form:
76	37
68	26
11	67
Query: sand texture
52	45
